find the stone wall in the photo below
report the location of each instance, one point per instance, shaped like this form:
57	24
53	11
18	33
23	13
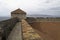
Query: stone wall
47	19
39	19
16	33
6	27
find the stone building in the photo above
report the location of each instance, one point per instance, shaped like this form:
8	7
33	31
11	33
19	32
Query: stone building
18	13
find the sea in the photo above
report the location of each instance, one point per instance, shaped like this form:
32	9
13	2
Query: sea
4	18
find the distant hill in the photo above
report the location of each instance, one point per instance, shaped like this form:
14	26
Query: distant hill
4	18
40	15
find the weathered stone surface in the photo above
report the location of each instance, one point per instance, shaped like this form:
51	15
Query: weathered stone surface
6	27
28	32
16	33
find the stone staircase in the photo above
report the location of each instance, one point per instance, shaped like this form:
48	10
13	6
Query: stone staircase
28	32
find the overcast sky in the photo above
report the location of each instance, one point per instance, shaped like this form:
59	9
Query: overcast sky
47	7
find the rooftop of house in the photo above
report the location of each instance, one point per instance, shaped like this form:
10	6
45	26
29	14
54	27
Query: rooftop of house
18	11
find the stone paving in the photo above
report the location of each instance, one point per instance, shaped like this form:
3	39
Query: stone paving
28	32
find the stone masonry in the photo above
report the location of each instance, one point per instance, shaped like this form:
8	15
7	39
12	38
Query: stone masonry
28	32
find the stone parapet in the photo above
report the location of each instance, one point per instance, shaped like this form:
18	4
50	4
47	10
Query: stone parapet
6	27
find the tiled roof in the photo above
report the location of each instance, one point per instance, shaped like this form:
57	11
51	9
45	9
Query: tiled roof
18	11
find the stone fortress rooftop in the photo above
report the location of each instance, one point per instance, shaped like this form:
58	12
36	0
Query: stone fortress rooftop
30	28
31	24
18	11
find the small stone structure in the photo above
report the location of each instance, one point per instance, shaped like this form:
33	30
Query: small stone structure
18	13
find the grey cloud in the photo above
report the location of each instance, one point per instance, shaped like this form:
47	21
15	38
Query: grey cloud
55	8
4	12
46	7
52	11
